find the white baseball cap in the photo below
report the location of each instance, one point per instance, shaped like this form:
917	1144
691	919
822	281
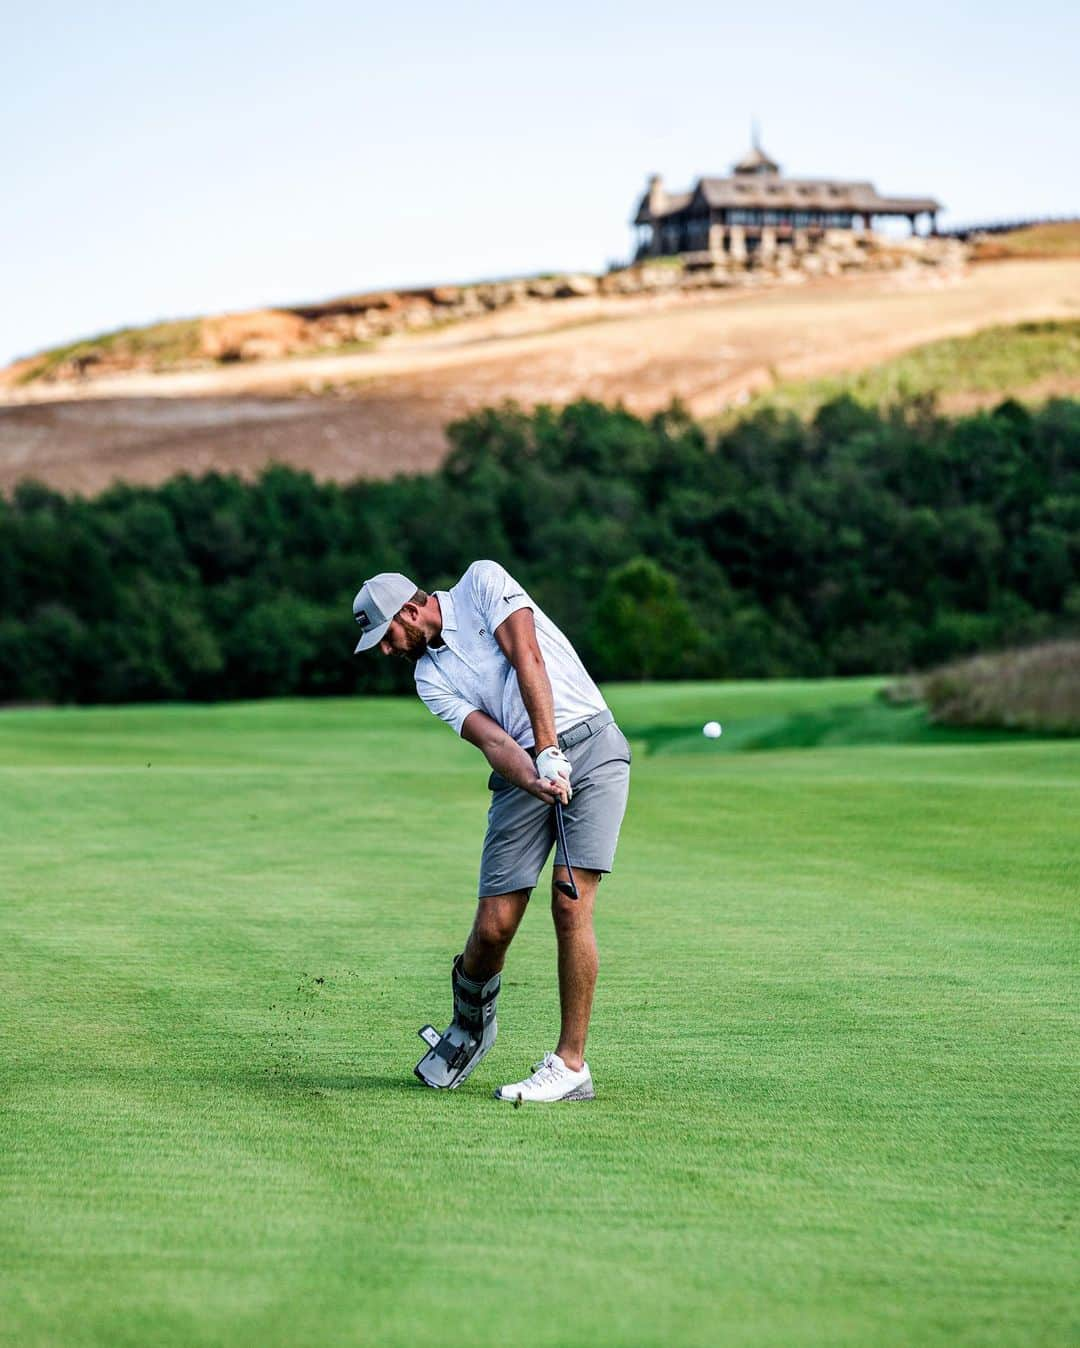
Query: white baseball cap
377	603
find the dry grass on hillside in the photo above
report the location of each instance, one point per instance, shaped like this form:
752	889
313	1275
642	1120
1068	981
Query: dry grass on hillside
1033	689
157	346
1059	239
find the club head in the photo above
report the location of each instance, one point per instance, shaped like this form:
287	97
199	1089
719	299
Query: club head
564	888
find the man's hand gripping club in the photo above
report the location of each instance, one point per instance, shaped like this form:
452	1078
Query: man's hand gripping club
553	766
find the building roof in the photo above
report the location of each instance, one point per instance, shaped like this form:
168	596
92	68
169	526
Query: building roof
673	202
821	194
771	192
755	160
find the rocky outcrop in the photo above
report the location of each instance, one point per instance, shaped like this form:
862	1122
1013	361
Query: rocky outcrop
262	334
789	261
356	320
368	317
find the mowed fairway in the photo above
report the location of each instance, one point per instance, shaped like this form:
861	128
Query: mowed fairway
835	1040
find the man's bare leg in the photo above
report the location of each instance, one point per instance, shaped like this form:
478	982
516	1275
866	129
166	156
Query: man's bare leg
497	919
578	962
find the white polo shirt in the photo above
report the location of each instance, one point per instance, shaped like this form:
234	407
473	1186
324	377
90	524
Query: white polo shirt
470	673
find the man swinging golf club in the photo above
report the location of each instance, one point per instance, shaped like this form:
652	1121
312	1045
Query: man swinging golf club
493	666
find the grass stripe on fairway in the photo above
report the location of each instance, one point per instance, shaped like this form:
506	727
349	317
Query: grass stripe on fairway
835	1041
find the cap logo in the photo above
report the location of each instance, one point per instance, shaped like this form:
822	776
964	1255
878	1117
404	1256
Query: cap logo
362	617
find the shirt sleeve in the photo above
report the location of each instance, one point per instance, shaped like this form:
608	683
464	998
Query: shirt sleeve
497	593
442	700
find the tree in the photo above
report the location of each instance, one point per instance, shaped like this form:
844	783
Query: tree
641	627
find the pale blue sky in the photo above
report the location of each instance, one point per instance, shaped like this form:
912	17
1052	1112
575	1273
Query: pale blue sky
160	162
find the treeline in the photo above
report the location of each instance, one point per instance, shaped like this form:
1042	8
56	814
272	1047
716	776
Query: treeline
857	541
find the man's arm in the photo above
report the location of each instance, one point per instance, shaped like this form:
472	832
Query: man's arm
507	757
516	636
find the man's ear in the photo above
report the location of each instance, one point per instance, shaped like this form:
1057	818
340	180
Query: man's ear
410	610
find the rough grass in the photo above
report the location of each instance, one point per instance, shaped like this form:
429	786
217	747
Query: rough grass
999	360
1060	238
1034	689
834	1040
161	345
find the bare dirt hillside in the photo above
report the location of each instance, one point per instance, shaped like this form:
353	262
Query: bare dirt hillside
381	411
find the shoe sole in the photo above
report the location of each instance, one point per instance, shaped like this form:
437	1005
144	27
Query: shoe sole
585	1092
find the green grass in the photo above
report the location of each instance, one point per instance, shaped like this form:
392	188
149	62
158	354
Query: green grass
835	1039
672	260
999	360
830	712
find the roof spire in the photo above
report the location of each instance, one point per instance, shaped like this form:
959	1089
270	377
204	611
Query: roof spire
756	160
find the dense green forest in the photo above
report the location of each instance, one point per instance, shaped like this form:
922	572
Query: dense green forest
856	541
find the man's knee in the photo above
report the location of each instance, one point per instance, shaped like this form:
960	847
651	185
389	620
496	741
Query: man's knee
497	919
569	914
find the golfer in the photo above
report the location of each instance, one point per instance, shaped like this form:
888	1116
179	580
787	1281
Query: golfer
493	666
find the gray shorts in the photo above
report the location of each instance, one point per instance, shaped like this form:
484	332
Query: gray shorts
521	829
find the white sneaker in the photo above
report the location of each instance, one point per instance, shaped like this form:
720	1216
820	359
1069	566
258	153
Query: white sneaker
551	1080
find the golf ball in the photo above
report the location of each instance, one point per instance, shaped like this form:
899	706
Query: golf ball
712	730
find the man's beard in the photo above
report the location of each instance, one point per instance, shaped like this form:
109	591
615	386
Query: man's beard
417	641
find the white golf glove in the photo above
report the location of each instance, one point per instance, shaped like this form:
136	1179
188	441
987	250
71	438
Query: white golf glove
552	763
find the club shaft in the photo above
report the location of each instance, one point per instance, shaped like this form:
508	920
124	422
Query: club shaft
560	833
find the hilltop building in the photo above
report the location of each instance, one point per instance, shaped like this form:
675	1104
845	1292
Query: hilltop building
756	209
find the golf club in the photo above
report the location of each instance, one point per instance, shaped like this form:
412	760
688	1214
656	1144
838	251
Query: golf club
570	890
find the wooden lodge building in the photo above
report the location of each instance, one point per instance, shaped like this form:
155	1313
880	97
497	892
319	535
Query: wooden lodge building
757	209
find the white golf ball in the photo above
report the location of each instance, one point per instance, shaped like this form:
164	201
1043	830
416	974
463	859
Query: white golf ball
712	730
